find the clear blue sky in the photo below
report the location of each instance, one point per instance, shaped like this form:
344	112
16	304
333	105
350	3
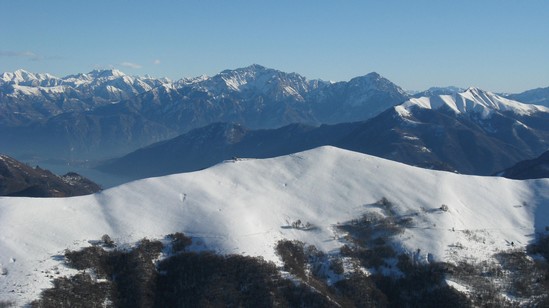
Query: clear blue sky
497	45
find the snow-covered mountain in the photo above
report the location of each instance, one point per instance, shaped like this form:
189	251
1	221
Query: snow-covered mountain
258	80
245	206
28	97
472	101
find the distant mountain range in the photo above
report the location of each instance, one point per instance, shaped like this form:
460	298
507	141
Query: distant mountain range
20	180
473	132
106	113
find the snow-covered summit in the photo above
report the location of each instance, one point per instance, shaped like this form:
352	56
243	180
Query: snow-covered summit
190	80
95	76
106	73
24	78
472	100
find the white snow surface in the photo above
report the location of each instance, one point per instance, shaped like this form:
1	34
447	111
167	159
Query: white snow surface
473	100
243	207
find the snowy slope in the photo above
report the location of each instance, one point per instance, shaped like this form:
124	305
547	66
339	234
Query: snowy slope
243	206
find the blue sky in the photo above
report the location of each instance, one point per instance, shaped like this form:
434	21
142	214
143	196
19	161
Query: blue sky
496	45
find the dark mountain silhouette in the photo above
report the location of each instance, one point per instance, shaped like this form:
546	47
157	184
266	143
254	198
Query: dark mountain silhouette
536	168
20	180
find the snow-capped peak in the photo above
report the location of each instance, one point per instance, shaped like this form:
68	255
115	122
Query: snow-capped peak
253	76
251	69
373	76
472	100
94	76
258	79
107	73
191	80
24	77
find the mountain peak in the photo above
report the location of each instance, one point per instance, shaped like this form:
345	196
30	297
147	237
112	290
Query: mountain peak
21	72
370	78
373	75
260	78
475	90
256	67
106	73
375	82
27	78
